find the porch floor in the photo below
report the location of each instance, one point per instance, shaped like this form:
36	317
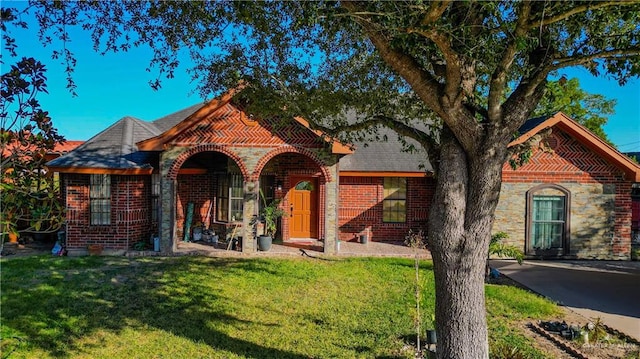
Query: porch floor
310	247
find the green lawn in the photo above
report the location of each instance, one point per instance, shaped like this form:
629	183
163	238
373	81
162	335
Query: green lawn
196	307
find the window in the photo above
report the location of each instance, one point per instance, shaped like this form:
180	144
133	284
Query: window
547	223
548	228
304	186
267	191
394	206
155	196
230	199
100	199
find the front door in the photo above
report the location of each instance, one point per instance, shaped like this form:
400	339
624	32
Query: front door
304	208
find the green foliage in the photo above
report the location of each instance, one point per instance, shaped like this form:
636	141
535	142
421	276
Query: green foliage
140	246
597	332
187	307
28	195
505	352
269	213
497	248
314	59
521	158
590	110
458	77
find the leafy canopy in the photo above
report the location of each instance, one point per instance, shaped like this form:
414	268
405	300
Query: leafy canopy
28	195
590	110
388	60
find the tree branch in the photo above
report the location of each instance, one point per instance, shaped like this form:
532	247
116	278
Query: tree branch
436	9
424	85
572	61
452	62
526	146
578	10
427	141
499	76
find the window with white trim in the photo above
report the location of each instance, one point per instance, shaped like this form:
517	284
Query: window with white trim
100	199
548	222
230	198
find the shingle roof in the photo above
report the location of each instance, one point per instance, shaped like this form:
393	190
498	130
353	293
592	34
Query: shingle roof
386	156
168	121
532	123
113	148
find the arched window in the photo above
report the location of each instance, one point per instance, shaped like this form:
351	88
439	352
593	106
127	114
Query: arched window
548	220
304	186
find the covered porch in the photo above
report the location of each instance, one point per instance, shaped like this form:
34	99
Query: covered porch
219	192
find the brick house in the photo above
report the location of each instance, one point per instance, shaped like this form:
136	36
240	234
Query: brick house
210	162
573	198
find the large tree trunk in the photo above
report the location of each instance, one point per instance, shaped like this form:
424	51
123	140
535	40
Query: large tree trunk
460	222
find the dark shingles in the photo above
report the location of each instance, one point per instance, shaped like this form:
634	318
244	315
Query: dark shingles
113	148
386	156
167	122
530	124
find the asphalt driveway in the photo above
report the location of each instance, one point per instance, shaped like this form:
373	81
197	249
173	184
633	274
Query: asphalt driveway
606	289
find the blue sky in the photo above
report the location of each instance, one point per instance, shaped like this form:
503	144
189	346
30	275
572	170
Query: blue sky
116	85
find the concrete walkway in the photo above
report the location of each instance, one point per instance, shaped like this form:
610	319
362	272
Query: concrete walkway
609	290
310	247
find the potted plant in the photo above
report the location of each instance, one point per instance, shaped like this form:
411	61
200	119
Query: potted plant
269	215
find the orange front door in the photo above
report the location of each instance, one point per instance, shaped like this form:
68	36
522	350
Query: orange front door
304	208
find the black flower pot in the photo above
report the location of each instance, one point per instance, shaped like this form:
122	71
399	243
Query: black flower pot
431	337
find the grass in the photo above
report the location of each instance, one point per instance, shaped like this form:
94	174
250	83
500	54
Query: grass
195	307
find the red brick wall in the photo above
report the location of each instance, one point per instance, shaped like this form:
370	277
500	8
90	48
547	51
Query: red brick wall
566	160
361	208
130	212
199	190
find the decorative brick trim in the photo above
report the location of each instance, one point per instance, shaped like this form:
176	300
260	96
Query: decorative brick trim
179	161
290	149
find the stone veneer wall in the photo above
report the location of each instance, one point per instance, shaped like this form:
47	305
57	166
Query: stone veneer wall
600	222
592	219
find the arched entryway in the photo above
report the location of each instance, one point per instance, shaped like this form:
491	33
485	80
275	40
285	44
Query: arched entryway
297	179
209	196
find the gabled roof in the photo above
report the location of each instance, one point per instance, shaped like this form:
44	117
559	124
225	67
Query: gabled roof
584	136
112	151
156	143
177	123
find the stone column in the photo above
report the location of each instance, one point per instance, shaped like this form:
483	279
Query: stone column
167	215
331	211
249	209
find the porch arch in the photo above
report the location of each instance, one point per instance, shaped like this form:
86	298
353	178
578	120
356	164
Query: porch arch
179	161
289	149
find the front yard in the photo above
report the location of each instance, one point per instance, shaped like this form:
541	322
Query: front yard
196	307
